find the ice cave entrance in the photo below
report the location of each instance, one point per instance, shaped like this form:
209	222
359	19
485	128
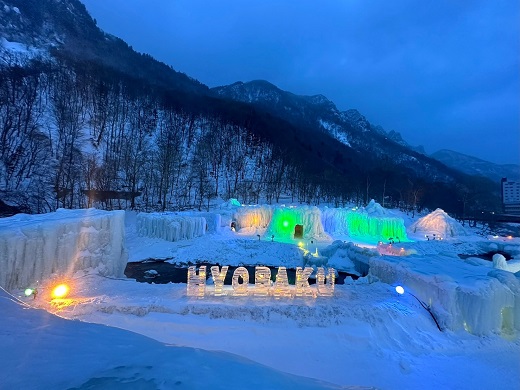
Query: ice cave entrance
298	231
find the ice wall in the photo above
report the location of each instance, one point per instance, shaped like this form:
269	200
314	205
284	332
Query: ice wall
213	220
335	221
253	216
370	223
170	226
33	247
461	295
285	219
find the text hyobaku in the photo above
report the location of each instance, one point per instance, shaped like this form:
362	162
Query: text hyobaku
263	286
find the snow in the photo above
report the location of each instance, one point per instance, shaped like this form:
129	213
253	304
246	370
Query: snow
365	335
438	223
18	52
42	351
33	247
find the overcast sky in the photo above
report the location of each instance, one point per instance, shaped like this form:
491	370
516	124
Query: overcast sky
445	74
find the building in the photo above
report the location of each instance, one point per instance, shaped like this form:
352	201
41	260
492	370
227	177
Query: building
511	196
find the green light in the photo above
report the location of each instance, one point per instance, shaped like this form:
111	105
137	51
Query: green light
28	292
375	228
283	222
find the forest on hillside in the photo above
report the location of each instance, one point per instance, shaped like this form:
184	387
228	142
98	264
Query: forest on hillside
77	134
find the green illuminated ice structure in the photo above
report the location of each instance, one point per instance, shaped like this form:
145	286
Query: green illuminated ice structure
295	222
373	223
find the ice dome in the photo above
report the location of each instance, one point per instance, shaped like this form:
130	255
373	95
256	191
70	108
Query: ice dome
438	223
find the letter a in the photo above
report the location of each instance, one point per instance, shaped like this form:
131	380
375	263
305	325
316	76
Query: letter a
281	285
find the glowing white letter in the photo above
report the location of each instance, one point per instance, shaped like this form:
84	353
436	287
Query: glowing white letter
196	283
262	281
326	290
218	279
303	289
240	289
281	285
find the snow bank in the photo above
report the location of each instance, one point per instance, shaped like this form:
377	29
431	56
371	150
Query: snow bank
375	210
285	219
348	257
461	295
438	223
257	217
170	226
33	247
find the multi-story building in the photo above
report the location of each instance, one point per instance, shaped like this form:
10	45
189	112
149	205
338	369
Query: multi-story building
511	196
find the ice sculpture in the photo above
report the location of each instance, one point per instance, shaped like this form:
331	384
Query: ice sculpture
327	289
218	279
285	219
303	289
34	247
281	285
240	289
196	286
262	281
170	226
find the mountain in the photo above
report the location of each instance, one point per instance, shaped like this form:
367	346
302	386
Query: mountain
65	29
372	144
477	167
85	120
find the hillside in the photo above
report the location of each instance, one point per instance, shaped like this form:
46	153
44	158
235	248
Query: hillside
86	121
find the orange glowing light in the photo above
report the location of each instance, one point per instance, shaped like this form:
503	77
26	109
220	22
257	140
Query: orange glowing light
60	291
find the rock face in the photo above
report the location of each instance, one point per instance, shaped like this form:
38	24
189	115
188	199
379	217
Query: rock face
438	223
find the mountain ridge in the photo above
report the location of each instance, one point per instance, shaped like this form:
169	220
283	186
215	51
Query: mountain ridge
478	167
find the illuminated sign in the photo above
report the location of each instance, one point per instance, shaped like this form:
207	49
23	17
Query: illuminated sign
263	286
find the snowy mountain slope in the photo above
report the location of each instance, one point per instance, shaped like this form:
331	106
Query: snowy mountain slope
368	142
475	166
65	28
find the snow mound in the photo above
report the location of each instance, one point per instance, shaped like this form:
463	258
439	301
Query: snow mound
33	247
230	204
170	226
438	223
374	209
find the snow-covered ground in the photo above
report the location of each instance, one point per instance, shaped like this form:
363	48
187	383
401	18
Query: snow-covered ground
366	335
